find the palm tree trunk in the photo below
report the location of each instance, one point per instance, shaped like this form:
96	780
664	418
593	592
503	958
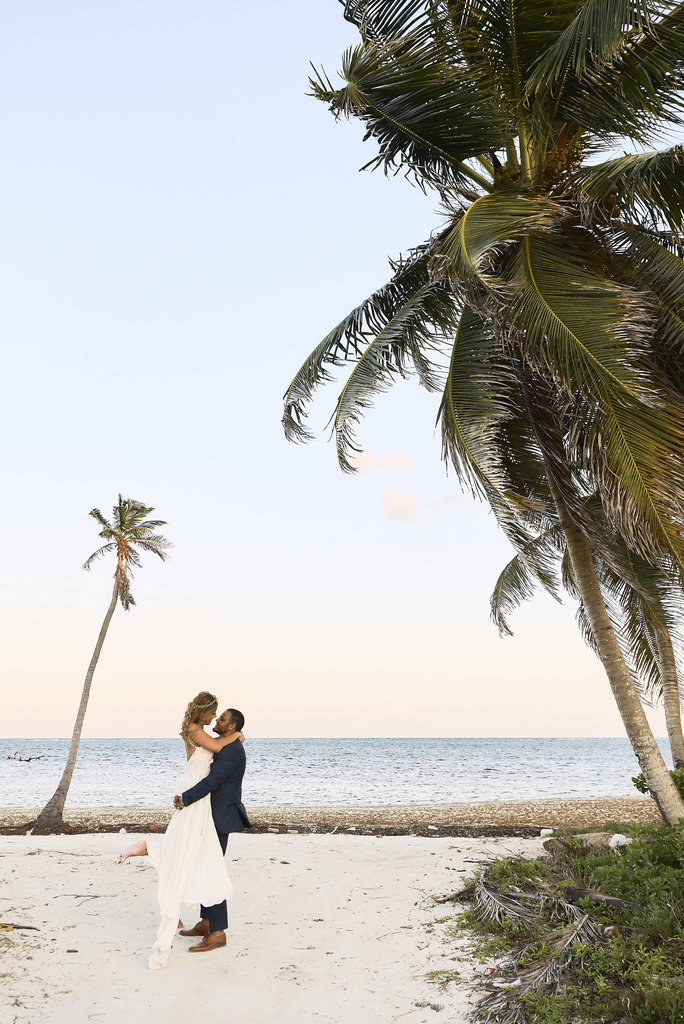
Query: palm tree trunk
51	815
673	716
643	742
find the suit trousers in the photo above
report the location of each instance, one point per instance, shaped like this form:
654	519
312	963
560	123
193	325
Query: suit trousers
218	914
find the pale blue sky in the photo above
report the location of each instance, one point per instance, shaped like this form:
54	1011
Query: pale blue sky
181	225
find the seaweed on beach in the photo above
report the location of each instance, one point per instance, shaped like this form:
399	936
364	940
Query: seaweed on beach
593	935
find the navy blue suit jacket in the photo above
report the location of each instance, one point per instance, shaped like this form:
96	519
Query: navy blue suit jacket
224	782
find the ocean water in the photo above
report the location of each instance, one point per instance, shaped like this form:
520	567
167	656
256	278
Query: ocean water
300	772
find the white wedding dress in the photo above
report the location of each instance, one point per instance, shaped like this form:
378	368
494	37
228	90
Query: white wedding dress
189	860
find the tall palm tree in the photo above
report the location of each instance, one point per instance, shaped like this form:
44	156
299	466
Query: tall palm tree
129	533
554	290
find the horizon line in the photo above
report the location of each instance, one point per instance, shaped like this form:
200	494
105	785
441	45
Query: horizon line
499	736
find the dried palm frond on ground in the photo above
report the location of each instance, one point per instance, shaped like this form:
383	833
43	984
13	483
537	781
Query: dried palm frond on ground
591	935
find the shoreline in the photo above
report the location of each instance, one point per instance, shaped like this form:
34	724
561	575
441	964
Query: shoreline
486	818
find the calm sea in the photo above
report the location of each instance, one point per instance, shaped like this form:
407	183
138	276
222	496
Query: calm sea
144	772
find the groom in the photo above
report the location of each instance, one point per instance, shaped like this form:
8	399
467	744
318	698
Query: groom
224	782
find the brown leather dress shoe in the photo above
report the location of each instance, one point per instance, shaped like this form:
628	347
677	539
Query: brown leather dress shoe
214	940
201	928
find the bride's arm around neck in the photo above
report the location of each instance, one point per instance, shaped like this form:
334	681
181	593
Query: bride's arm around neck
200	738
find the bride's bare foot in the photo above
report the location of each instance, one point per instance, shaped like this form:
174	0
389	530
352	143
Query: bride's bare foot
138	850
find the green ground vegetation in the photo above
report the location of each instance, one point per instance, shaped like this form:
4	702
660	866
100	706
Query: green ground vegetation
565	953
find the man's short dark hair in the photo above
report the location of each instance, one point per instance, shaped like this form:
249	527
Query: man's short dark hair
237	717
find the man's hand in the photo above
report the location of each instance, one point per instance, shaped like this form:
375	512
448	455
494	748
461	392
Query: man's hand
178	802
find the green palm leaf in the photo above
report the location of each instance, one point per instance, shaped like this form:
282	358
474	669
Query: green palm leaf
487	227
661	271
505	38
574	322
600	30
517	583
649	261
422	112
577	327
409	289
474	414
637	89
413	329
470	411
379	20
647	187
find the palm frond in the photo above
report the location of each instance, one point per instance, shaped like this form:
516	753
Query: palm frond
620	445
413	330
470	411
155	545
381	20
473	419
515	585
503	1004
104	550
487	227
492	904
521	456
425	115
505	38
600	31
517	582
407	297
639	641
639	90
573	321
584	330
96	514
648	187
654	266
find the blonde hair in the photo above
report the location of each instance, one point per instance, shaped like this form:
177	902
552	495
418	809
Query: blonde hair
197	707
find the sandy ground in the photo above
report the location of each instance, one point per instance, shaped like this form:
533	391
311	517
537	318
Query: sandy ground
323	929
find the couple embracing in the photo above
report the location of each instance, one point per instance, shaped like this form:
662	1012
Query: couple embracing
190	855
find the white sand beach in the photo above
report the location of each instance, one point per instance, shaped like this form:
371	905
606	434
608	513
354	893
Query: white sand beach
330	929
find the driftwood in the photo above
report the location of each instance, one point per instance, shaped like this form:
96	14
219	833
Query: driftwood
16	757
10	926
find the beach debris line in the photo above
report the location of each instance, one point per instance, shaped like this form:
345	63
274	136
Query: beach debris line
495	819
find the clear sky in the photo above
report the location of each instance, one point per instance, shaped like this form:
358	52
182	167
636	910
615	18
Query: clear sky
181	224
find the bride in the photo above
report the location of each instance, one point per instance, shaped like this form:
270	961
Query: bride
188	856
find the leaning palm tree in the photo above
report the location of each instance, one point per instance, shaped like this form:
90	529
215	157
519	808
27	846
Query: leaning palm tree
644	607
129	533
549	306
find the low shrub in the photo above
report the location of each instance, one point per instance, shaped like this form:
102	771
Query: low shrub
583	959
